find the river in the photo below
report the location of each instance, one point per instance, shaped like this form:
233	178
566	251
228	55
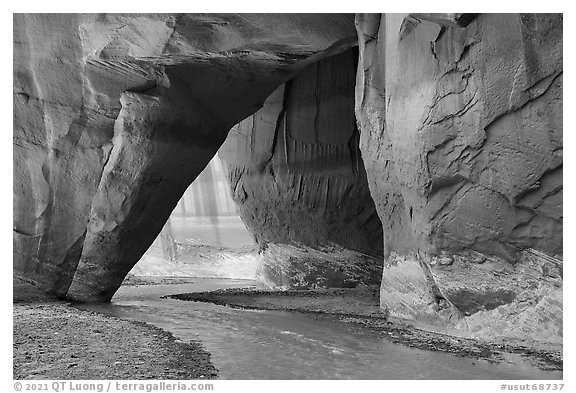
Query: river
248	344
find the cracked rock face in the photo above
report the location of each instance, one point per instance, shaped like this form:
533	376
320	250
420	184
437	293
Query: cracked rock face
115	115
461	133
298	180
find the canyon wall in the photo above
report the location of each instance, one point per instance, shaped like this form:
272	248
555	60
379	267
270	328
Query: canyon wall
298	180
461	134
115	115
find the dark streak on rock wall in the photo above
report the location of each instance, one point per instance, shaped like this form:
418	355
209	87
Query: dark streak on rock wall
298	179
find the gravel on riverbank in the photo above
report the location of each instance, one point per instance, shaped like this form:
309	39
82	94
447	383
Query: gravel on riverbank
52	340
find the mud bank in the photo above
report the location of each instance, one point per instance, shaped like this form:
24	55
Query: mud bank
360	306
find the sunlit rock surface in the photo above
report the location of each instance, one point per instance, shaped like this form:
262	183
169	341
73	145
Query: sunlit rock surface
115	115
461	134
299	182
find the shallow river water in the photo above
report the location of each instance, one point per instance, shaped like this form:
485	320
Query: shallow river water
247	344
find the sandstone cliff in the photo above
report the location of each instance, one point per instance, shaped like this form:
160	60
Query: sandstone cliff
461	134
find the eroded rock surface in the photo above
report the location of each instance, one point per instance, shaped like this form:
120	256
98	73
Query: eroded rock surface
115	115
461	133
299	182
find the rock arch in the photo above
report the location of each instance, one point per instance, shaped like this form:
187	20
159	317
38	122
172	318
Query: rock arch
115	115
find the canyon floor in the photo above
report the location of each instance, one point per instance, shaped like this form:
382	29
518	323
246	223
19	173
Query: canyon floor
52	340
